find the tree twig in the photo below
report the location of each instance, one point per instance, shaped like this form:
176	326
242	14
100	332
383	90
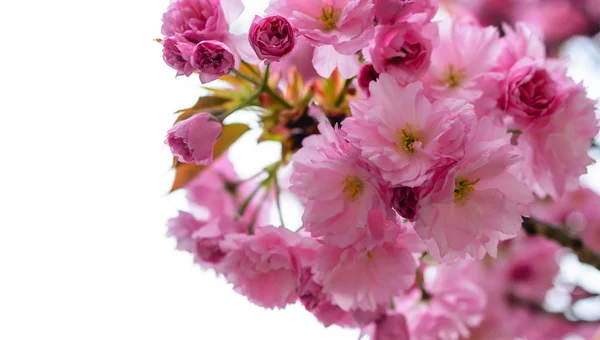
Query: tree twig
534	227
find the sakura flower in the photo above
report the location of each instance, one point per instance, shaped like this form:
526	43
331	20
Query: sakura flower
390	326
403	50
264	266
337	190
202	238
477	203
555	147
338	29
462	64
519	43
365	277
300	58
315	301
177	52
213	59
388	12
192	140
194	15
272	37
366	75
403	134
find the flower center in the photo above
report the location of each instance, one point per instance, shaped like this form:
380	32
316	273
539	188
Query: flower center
462	189
408	137
329	17
453	77
353	187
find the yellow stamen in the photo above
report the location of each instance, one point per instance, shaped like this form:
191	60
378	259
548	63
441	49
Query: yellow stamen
329	17
453	77
353	187
462	189
408	137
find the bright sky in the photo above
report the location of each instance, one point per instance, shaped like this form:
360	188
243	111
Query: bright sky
85	101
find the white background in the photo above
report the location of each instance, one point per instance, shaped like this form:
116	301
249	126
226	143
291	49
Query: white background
85	101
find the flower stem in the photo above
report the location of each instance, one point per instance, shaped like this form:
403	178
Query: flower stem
245	77
262	87
537	228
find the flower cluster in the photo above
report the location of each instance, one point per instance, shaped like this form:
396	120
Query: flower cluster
416	147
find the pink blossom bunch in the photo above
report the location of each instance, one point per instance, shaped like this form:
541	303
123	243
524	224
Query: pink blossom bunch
430	158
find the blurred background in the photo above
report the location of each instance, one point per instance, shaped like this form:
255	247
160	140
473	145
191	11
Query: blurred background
85	103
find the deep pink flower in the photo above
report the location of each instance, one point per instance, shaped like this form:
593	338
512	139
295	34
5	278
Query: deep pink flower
462	64
366	75
403	50
556	146
337	190
405	202
213	59
192	140
529	91
389	12
202	237
403	134
200	16
177	52
478	202
272	37
264	266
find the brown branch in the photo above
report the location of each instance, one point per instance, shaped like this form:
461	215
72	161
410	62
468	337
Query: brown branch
537	228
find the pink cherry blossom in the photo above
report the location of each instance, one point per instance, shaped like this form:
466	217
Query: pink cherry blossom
520	42
403	50
388	12
403	134
299	59
177	52
337	190
264	266
347	25
462	64
213	59
365	277
315	301
272	37
192	140
366	75
194	15
555	147
478	202
202	237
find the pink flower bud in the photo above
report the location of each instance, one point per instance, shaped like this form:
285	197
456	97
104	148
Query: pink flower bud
366	75
177	52
193	140
212	59
272	37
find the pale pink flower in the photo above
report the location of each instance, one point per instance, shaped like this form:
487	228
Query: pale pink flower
389	12
272	37
337	190
556	146
462	64
519	43
192	140
202	237
177	52
347	25
454	308
326	59
193	15
558	20
300	59
531	270
403	134
366	277
315	301
576	210
403	50
478	202
213	59
264	267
